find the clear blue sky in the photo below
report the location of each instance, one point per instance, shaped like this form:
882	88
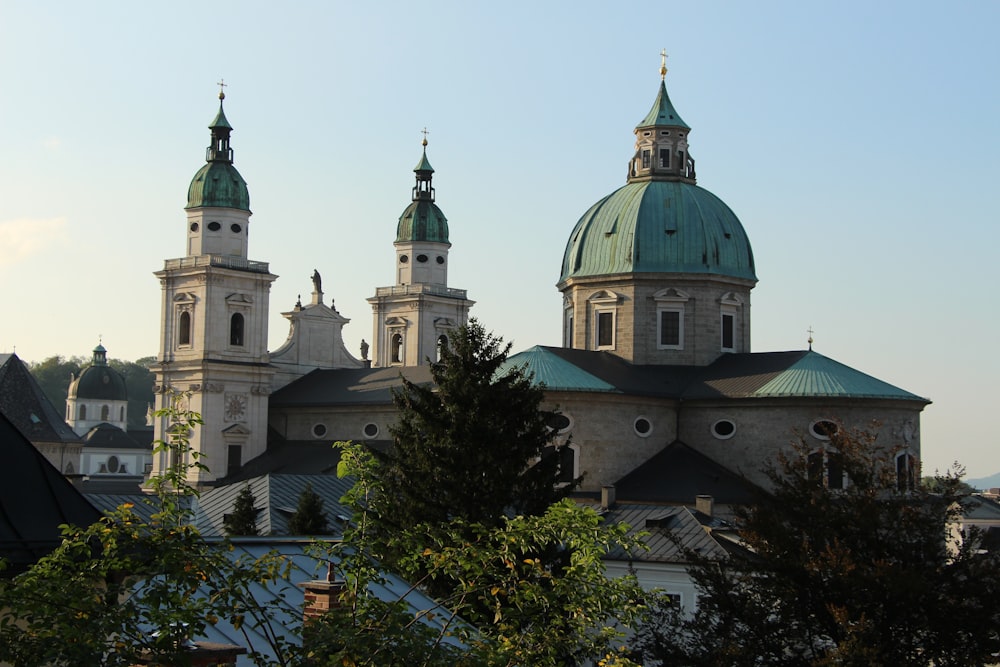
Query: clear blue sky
856	141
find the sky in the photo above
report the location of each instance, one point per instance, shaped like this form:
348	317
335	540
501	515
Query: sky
857	142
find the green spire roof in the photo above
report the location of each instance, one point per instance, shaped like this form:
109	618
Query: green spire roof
220	119
424	164
663	112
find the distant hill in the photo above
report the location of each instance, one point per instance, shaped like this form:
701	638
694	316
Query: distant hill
983	483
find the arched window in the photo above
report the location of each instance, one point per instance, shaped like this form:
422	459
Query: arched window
184	329
105	413
906	469
827	466
83	412
236	329
396	348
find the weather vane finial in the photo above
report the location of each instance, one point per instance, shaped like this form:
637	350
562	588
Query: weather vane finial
425	133
810	331
222	84
663	64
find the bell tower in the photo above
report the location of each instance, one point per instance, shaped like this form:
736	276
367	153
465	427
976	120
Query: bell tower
213	326
413	317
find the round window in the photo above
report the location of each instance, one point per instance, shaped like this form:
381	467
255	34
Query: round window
421	258
823	429
643	427
194	226
319	430
371	430
559	422
440	259
113	464
214	226
403	259
236	228
724	429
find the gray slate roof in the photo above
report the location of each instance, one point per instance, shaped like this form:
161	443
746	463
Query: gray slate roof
26	405
34	500
348	386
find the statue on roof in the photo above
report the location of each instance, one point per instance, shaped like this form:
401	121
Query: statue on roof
317	281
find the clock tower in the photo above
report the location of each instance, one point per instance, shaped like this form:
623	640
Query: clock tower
213	336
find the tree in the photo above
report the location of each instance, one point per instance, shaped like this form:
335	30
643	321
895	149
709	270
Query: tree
309	517
473	445
510	607
53	376
861	575
139	381
243	519
96	599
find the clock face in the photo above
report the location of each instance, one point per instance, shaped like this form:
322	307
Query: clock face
236	406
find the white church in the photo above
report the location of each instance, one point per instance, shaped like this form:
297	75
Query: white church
661	397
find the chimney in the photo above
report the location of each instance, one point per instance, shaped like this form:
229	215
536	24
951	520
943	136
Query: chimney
608	497
704	504
321	595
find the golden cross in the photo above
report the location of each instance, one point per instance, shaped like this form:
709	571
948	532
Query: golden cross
222	84
810	331
425	132
663	64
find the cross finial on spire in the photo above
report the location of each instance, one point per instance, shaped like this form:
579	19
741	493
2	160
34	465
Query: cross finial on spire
222	84
810	331
663	64
425	133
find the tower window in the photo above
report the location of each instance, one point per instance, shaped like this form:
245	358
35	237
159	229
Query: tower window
440	259
670	329
184	329
214	226
235	228
728	331
121	414
645	159
105	413
236	329
396	348
605	328
442	345
194	226
421	258
83	412
664	158
234	459
906	467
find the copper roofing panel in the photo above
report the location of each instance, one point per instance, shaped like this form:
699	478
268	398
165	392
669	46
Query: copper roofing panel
556	373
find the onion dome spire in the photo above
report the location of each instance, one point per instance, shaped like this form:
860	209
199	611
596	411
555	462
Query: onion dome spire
423	190
661	149
218	183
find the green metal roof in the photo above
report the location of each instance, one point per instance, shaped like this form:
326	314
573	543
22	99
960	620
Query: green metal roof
659	227
663	112
422	220
220	119
555	372
424	164
218	184
816	375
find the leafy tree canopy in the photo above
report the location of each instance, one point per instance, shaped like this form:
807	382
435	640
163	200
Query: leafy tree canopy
868	574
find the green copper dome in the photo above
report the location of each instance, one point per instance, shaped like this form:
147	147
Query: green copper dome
659	227
218	183
422	220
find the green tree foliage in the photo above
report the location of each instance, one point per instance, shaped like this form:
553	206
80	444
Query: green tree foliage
53	375
309	517
511	607
97	598
864	575
243	519
464	447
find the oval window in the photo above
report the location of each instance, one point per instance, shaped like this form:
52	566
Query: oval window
236	228
371	430
643	427
403	259
194	226
113	464
319	430
421	258
214	226
559	422
724	429
440	259
823	429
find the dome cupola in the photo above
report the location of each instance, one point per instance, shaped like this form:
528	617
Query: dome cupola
218	183
422	220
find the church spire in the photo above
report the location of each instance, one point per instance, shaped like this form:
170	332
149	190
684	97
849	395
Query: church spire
423	190
220	151
661	150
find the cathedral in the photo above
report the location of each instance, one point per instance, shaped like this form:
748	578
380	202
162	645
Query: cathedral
659	395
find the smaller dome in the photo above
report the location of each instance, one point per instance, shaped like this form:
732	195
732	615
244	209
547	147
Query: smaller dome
101	383
422	220
218	184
